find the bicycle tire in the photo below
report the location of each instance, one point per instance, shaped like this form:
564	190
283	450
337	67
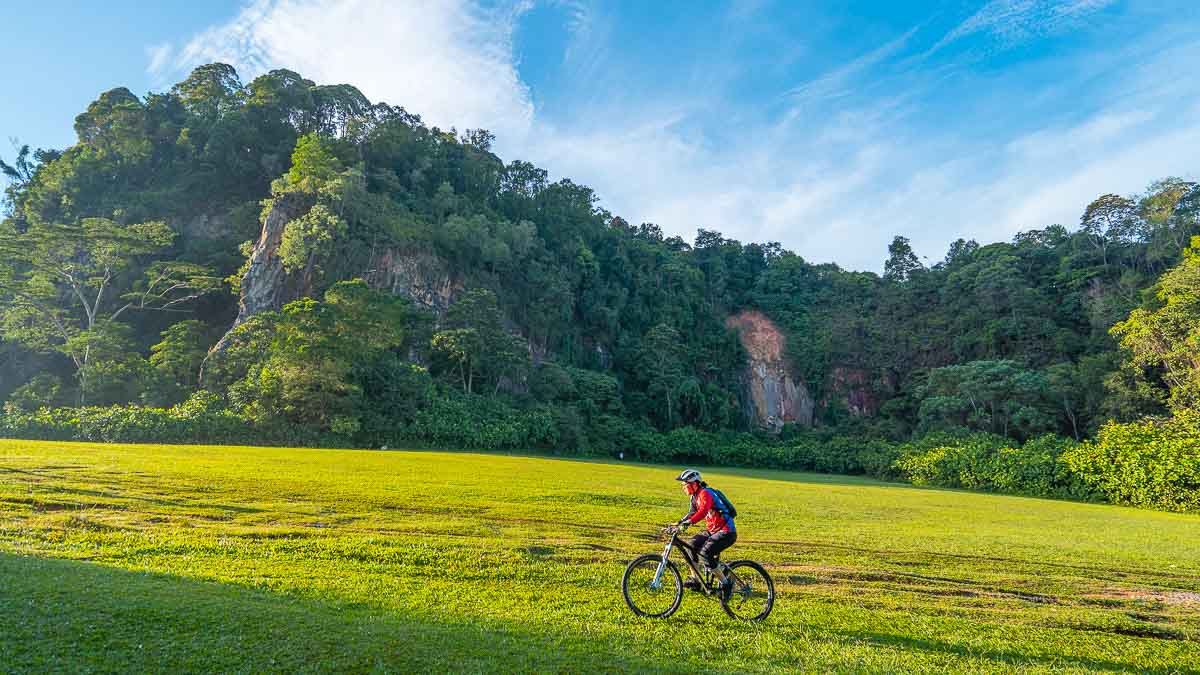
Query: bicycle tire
744	588
670	578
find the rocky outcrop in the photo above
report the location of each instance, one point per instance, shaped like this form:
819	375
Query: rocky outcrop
422	277
212	226
772	394
854	388
265	285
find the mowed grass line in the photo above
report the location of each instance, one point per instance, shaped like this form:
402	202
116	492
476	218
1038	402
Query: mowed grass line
128	557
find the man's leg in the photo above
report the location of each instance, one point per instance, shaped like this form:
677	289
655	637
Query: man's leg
698	542
712	550
716	543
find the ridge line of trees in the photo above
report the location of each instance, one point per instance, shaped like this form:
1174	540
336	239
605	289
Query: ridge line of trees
120	258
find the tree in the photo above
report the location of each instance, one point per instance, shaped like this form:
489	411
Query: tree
308	240
211	91
1171	212
1109	220
960	250
65	287
181	352
1166	339
475	343
902	262
313	367
464	348
660	366
997	396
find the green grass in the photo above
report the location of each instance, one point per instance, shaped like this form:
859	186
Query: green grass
134	558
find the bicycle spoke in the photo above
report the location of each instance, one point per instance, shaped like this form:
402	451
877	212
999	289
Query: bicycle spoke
649	597
752	595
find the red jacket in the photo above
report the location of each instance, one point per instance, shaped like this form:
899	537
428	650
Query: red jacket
704	509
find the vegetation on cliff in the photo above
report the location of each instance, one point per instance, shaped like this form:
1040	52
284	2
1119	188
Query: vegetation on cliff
567	328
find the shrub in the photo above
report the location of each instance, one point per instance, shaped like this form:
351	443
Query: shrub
40	392
990	462
1151	463
815	451
200	419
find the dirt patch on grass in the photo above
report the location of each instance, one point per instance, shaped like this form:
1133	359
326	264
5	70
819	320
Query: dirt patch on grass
1182	598
1117	596
1145	630
75	521
913	583
600	499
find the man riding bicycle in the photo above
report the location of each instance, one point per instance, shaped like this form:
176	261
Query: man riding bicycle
710	506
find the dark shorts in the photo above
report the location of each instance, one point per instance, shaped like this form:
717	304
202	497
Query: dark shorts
710	545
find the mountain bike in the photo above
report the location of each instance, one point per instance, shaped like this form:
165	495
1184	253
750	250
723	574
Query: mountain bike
653	588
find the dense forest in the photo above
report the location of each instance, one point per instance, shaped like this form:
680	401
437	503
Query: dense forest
557	325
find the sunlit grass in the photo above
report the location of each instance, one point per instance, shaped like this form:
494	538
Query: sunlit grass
230	558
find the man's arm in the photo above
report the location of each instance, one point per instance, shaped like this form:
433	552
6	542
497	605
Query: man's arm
687	519
701	505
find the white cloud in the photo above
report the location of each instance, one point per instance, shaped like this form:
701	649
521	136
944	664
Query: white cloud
832	186
447	60
836	83
1016	21
159	57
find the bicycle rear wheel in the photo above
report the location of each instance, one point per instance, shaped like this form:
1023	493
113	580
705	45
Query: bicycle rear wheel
753	593
643	595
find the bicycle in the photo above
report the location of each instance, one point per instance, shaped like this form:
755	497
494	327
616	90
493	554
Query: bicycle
653	588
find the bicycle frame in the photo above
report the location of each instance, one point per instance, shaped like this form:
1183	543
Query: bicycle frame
689	554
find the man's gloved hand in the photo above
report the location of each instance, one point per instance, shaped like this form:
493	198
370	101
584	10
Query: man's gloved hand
683	524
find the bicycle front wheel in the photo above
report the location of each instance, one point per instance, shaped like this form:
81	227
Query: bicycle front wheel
648	596
753	593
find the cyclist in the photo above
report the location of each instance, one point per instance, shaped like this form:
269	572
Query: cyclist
720	533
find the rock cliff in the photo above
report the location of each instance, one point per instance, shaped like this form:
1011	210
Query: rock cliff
421	276
772	394
265	285
853	387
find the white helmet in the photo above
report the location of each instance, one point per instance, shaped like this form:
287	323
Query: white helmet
689	476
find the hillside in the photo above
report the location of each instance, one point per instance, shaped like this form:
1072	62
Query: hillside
331	270
238	558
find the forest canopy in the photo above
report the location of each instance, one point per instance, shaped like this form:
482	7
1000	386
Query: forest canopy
556	323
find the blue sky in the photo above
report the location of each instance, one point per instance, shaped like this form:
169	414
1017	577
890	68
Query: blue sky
829	129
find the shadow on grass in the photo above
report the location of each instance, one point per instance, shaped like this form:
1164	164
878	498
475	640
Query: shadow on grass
61	615
999	657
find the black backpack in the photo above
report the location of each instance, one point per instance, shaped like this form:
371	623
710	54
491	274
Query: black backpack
723	505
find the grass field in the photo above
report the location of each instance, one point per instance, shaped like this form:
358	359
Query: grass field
139	558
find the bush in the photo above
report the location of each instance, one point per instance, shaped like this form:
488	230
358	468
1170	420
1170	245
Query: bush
200	419
40	392
1152	463
1149	464
815	451
990	462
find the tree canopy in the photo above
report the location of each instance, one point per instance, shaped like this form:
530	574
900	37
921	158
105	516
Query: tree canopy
112	253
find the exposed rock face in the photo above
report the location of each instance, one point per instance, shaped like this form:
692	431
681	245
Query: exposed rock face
853	386
773	396
266	286
419	276
210	226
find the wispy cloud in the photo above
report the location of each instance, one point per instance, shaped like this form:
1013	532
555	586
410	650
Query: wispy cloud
836	82
448	60
1012	22
857	155
159	59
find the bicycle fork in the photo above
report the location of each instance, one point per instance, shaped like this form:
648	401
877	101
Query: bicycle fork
662	566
